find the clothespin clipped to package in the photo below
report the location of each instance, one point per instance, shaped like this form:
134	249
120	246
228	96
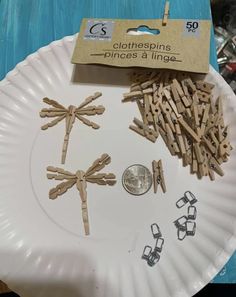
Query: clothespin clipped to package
158	176
166	13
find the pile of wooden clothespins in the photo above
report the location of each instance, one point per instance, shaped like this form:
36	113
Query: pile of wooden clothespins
181	109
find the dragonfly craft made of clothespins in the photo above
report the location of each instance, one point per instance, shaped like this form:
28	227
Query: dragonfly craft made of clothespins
80	178
59	112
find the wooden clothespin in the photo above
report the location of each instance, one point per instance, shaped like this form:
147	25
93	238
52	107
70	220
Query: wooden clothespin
148	119
219	107
70	119
158	176
186	92
214	165
171	139
180	139
204	86
189	130
196	119
135	87
179	104
194	164
144	130
203	96
209	145
132	96
171	102
166	13
155	93
205	118
188	157
161	121
189	83
166	110
224	147
181	93
200	159
141	108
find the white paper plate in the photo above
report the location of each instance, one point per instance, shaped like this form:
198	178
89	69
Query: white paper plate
43	251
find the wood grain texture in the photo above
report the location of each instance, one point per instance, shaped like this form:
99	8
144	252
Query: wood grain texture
27	25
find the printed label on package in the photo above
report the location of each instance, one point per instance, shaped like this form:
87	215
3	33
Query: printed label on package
180	45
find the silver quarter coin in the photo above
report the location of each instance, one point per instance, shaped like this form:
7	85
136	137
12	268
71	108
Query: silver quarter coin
137	179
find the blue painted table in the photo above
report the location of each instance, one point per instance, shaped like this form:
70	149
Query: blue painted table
27	25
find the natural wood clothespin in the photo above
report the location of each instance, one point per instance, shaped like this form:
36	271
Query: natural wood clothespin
180	139
181	93
171	139
134	95
158	176
214	165
166	13
204	86
194	164
171	102
80	178
209	145
204	97
179	104
189	83
144	130
166	110
69	114
189	130
224	147
205	118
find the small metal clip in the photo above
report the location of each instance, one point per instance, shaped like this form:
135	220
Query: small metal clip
192	212
181	202
181	234
181	223
156	231
190	197
153	259
190	228
159	245
146	252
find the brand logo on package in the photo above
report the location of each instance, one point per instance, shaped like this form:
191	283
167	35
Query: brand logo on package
99	30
